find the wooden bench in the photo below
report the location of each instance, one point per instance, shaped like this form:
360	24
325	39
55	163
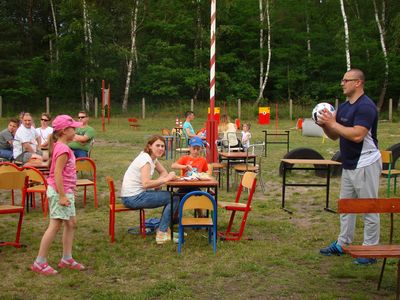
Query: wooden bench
133	122
374	205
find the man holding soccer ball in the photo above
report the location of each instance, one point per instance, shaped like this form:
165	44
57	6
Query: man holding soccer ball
355	124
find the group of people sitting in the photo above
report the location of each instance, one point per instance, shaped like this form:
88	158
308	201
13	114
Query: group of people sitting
226	131
22	141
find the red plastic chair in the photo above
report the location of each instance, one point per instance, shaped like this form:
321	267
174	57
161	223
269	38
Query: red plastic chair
37	184
249	181
119	207
11	181
86	166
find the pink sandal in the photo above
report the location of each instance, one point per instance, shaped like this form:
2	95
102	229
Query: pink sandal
43	269
71	264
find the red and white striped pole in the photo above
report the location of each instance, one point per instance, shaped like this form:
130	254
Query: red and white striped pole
212	57
212	129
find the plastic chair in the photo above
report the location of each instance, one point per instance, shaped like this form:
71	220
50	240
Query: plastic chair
374	205
9	167
198	200
11	181
240	169
119	207
86	166
249	181
387	158
37	184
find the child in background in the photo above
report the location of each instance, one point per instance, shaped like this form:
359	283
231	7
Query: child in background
193	162
60	193
246	136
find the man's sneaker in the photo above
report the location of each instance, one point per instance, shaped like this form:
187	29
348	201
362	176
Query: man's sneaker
332	249
162	237
364	261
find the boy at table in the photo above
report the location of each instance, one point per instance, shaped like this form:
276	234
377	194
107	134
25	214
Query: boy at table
192	163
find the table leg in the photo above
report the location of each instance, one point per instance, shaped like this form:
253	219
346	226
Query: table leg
328	180
171	224
228	167
287	144
284	189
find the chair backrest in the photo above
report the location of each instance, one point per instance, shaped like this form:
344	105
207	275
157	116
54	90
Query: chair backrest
249	181
111	188
386	156
7	167
369	205
35	175
86	164
257	149
13	180
232	139
197	200
165	131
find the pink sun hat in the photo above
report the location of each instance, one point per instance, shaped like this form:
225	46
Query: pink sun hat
64	121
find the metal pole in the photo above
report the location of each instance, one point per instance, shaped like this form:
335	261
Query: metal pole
96	103
290	109
239	109
47	105
192	104
390	109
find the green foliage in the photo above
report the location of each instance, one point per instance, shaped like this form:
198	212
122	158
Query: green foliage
173	50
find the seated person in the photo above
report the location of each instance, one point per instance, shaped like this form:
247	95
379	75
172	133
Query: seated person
139	190
26	143
44	130
188	130
6	139
83	136
192	163
229	132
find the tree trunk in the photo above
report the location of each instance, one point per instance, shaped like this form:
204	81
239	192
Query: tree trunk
265	78
133	55
88	45
381	28
308	31
260	3
346	36
55	27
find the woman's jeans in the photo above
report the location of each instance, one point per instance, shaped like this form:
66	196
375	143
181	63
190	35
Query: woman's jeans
153	199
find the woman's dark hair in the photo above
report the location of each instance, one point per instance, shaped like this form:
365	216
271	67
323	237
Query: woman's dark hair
151	141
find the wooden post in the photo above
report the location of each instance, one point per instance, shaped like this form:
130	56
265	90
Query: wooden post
96	108
47	105
336	103
143	108
239	109
192	104
290	109
390	109
1	106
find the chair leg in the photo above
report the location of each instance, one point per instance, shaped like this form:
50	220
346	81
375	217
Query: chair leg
96	203
84	196
21	216
142	223
243	224
112	227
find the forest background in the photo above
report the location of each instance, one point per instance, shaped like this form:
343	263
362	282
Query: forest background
267	51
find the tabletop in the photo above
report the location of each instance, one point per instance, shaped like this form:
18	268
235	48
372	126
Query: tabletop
192	183
311	161
237	155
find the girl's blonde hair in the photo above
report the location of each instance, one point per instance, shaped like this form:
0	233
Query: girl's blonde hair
53	138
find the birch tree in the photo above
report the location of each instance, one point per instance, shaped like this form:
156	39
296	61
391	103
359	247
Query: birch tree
381	28
133	59
88	46
346	35
264	13
53	14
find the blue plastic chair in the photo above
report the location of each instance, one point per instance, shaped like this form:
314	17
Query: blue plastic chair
198	200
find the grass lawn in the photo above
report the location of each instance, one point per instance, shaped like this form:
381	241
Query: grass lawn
280	260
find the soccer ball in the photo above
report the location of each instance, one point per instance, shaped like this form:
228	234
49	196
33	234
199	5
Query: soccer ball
321	107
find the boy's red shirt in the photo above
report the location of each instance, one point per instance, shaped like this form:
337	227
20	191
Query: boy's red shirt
200	163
